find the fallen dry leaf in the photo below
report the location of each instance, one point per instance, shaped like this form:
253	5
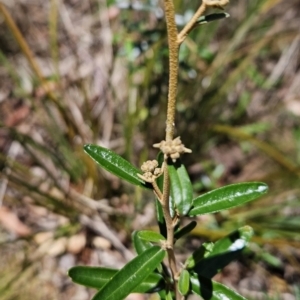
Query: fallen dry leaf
12	223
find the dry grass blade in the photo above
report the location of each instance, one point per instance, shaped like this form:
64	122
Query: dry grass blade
263	146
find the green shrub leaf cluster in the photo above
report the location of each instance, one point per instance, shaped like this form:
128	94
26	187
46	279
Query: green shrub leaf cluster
145	273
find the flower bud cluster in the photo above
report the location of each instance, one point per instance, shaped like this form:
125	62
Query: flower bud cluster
150	170
172	148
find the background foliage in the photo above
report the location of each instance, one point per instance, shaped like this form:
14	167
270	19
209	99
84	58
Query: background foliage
96	72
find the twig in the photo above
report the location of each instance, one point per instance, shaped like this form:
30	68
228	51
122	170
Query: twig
91	203
201	10
191	24
97	225
173	67
157	191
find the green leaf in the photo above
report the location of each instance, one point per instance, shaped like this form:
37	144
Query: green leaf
227	197
162	295
185	230
224	251
159	211
97	277
160	218
270	259
181	187
169	296
140	245
212	290
115	164
184	282
212	17
131	275
203	251
234	241
91	276
151	236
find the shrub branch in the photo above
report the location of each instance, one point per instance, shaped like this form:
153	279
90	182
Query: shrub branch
173	67
174	41
191	24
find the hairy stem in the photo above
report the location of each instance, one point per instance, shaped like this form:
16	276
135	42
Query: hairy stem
170	125
190	25
157	191
174	41
170	229
173	67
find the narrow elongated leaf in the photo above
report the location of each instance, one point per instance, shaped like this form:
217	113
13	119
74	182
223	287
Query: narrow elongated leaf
91	276
115	164
184	282
203	251
185	230
131	275
139	244
224	251
234	241
151	236
227	197
212	290
212	17
162	295
181	187
160	218
158	208
97	277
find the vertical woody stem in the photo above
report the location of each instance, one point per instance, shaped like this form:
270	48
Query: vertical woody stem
174	41
173	67
170	125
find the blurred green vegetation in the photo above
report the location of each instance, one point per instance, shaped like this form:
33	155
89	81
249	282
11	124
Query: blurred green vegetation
85	72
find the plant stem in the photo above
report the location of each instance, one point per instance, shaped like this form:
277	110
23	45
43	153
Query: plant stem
170	125
157	191
173	67
190	25
170	230
174	41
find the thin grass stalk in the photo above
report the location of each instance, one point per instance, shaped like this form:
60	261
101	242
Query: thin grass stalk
261	145
53	22
32	62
